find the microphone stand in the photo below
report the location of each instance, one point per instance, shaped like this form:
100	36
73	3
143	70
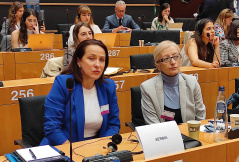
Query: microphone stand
208	35
68	36
70	91
5	20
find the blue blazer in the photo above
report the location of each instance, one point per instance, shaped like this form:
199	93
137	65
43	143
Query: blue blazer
112	22
57	112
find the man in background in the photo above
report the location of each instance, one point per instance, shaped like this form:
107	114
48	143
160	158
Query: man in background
211	8
119	22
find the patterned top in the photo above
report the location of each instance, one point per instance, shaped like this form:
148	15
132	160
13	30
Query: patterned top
219	31
156	25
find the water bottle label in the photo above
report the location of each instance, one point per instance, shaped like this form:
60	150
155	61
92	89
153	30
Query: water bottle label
220	126
221	107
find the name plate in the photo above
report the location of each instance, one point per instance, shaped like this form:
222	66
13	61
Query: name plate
160	139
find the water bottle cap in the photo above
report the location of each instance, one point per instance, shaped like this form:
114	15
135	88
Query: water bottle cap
221	88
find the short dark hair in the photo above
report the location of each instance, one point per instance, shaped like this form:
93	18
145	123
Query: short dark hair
232	33
161	8
73	67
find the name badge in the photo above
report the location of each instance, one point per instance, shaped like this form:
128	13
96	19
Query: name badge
104	109
168	115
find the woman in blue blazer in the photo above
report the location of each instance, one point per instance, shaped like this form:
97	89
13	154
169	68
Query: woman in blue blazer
95	109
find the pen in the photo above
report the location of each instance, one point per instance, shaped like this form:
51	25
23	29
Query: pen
33	155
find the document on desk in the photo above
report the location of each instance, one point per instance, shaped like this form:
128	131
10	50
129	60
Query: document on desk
34	153
160	139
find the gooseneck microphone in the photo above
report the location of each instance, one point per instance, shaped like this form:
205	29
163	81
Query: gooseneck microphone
5	20
70	85
208	35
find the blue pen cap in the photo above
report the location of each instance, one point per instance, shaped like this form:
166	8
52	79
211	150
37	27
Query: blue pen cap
221	88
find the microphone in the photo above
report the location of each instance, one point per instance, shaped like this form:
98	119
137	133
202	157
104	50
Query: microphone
208	35
67	17
5	20
70	85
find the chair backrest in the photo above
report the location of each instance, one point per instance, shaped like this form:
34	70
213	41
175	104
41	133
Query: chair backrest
142	61
146	35
63	27
146	25
136	111
188	23
32	119
172	35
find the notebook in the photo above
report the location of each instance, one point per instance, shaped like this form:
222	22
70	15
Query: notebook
39	42
107	38
175	26
44	153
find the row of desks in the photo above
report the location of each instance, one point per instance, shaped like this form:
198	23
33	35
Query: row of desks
24	65
226	151
209	80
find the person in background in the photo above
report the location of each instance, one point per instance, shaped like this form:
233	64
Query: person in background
28	25
229	47
14	17
119	21
211	8
171	91
9	25
161	22
83	14
222	23
81	31
95	111
54	66
202	50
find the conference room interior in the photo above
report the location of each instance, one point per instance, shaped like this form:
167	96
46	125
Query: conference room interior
20	74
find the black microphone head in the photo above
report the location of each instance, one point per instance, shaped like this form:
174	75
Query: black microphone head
208	35
117	139
112	147
66	10
70	83
4	19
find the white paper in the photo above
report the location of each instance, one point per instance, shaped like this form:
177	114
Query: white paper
39	151
111	70
160	139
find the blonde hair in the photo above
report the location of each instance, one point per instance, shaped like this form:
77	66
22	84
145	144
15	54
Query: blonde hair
221	19
162	46
82	10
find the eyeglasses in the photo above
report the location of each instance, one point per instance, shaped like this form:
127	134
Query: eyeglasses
168	59
121	11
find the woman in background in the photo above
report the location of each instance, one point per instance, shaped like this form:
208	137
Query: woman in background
95	111
83	14
229	47
14	17
161	22
202	50
222	24
28	25
171	91
81	31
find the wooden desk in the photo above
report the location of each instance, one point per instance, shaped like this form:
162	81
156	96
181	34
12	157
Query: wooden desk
226	151
22	65
13	89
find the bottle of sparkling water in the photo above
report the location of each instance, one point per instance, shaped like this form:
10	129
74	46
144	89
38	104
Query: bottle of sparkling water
221	118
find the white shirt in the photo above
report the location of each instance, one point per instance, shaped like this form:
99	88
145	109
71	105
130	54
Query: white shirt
94	27
93	117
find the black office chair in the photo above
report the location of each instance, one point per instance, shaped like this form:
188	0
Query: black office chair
63	27
142	61
146	35
32	119
136	112
172	35
146	25
188	23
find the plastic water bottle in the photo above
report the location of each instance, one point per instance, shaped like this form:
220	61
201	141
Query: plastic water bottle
221	118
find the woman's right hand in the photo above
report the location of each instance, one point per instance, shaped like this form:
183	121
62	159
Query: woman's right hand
215	64
165	17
